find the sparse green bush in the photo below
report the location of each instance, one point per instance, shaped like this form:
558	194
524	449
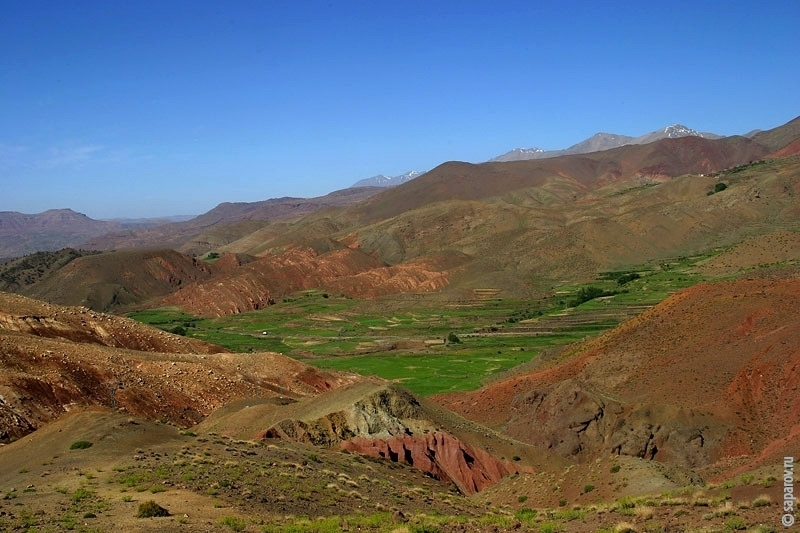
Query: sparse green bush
762	501
615	469
80	445
627	278
718	187
424	528
232	522
81	494
526	515
588	488
150	509
452	338
735	523
550	527
585	294
626	502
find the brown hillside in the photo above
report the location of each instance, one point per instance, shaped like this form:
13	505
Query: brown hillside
82	325
54	358
205	232
661	159
22	234
521	243
120	279
254	285
790	149
543	222
777	138
707	376
761	252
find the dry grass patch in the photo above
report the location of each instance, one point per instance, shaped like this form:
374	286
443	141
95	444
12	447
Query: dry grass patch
762	500
624	527
644	512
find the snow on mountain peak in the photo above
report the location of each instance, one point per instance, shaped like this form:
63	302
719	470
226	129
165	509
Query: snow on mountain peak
388	181
679	130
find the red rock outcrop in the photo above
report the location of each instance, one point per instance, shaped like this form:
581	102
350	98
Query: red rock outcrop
442	455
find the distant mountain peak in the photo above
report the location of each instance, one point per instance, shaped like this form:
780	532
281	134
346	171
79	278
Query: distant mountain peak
388	181
604	141
679	130
532	150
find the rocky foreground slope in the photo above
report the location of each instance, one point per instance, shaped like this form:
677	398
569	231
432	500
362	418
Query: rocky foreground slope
54	359
384	421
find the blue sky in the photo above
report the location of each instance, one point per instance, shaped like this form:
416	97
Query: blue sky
134	109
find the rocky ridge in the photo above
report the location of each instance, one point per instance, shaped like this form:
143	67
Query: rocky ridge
379	420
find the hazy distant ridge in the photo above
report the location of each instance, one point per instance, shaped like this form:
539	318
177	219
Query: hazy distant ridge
604	141
388	181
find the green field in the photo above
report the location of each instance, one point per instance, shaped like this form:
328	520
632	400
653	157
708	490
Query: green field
402	340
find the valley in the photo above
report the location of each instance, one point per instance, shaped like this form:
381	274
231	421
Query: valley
595	341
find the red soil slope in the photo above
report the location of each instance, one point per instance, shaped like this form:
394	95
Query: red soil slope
348	271
709	375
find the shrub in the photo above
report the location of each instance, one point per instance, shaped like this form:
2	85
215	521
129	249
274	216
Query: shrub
149	509
550	527
452	338
588	488
585	294
81	494
627	278
762	501
735	523
232	522
80	445
615	469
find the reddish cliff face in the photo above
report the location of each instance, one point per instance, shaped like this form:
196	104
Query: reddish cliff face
442	455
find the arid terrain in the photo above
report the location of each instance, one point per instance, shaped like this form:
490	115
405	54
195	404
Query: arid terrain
666	275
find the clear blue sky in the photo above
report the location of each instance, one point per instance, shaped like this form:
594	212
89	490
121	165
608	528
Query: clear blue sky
148	108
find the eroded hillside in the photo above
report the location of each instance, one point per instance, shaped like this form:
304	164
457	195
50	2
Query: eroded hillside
705	380
54	359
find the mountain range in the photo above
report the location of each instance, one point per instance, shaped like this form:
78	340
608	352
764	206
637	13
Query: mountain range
388	181
600	341
456	227
604	141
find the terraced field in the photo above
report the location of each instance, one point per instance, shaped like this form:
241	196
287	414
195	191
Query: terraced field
442	347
